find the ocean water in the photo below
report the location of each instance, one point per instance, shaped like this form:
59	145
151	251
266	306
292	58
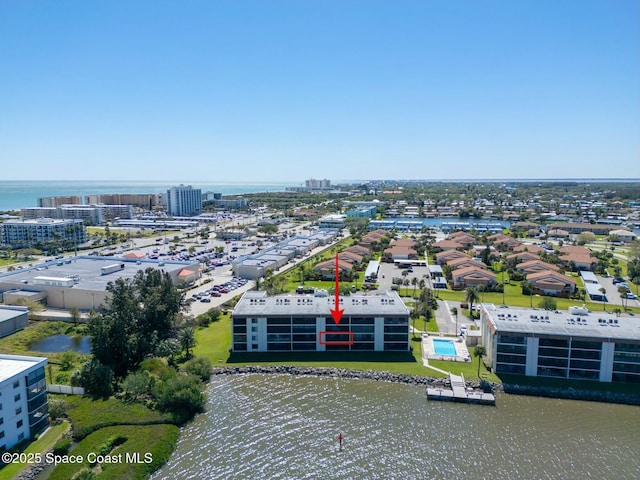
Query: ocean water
15	195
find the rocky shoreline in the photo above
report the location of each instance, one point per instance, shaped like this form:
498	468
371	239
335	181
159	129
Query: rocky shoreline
379	376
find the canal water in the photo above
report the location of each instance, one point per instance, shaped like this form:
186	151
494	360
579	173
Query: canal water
285	427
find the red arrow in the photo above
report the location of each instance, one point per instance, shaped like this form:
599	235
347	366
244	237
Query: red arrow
337	313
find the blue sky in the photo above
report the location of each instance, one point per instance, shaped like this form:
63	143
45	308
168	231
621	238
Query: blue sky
275	90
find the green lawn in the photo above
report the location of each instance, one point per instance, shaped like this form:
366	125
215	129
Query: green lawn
42	444
153	443
88	415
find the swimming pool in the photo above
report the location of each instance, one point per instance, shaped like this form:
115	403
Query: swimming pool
444	347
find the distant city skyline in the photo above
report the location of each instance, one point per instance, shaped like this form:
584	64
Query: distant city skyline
284	91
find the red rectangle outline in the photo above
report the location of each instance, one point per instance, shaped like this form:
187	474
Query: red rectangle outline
321	341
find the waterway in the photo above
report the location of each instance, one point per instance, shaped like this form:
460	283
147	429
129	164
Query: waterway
285	427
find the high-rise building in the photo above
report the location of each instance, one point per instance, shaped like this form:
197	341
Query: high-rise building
314	184
57	201
184	201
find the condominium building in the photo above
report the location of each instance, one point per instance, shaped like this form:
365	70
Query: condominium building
141	200
371	322
89	214
42	231
23	399
57	201
573	344
314	184
184	201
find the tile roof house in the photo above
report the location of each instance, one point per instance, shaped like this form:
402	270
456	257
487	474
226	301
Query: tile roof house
462	238
534	266
472	276
327	268
522	257
444	245
576	249
359	249
442	258
553	283
460	263
350	257
503	242
578	261
401	253
529	247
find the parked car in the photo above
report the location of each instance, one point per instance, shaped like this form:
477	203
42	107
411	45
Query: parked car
631	296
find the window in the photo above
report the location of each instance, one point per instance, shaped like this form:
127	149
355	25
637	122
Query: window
21	437
1	420
17	398
2	434
18	410
19	424
16	384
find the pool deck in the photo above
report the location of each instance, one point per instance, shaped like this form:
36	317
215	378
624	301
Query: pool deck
460	393
462	354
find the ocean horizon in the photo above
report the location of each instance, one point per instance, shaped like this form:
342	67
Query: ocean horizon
17	194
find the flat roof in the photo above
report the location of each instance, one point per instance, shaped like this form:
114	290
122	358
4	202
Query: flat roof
593	289
531	321
12	365
8	313
88	271
258	304
588	276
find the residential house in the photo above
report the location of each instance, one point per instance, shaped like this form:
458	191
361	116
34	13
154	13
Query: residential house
460	263
444	245
534	266
327	269
442	258
552	283
472	276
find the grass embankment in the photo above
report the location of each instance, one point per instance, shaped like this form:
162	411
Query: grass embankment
42	444
88	415
131	447
113	427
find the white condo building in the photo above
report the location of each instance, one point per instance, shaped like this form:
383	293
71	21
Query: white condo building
184	201
23	399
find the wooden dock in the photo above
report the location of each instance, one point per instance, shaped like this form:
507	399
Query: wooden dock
460	393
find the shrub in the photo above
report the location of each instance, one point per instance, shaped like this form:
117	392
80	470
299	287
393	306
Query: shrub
157	367
96	379
137	386
200	367
84	474
181	397
62	446
57	409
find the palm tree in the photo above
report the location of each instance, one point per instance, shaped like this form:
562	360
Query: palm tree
603	291
480	351
471	296
454	311
623	296
187	338
414	282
